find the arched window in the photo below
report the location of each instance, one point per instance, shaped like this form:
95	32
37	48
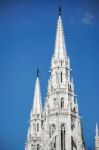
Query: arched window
37	127
63	137
62	102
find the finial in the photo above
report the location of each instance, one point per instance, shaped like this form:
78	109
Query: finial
37	72
60	8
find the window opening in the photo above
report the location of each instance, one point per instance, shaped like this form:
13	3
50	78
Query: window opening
62	137
62	102
61	77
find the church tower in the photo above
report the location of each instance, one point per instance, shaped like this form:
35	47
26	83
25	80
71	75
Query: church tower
62	126
97	138
58	126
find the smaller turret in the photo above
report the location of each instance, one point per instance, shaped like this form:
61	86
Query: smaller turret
37	107
35	132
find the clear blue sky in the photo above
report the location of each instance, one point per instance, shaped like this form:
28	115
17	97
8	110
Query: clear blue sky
27	37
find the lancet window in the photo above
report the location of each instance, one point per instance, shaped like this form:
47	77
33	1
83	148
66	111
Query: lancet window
63	130
61	77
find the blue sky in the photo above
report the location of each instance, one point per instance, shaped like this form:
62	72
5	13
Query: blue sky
27	37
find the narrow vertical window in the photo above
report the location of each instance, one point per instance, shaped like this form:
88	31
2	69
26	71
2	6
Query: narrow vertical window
62	137
61	77
37	127
62	102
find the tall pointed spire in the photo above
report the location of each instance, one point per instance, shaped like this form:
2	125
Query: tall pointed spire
60	48
37	107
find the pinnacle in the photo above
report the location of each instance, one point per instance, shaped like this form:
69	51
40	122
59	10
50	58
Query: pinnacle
60	48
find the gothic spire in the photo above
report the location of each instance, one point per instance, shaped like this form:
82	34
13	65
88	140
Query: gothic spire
60	48
37	107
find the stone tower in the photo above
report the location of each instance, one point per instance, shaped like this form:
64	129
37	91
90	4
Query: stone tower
58	126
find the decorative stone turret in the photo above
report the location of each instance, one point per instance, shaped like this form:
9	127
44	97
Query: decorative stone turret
34	137
37	107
